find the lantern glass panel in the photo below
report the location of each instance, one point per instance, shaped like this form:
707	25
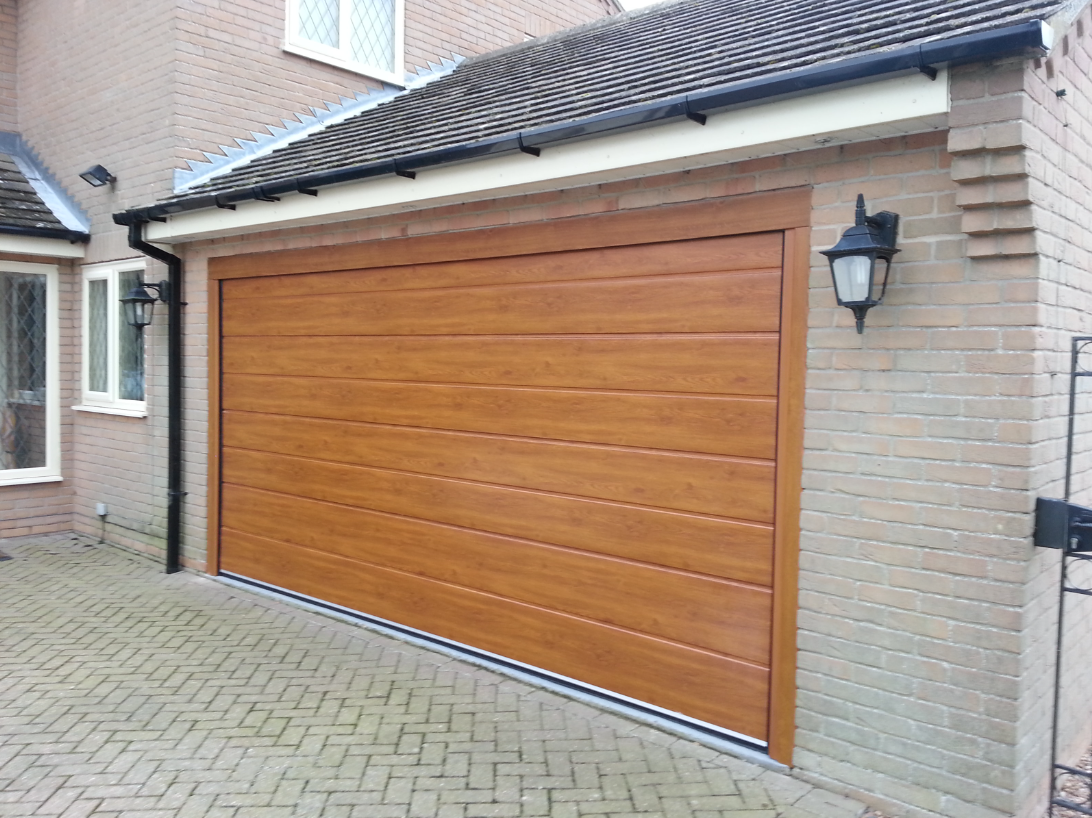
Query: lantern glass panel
138	313
853	278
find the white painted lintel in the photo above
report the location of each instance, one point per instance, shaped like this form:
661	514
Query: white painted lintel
903	105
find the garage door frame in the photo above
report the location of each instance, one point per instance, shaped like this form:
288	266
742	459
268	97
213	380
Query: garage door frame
788	211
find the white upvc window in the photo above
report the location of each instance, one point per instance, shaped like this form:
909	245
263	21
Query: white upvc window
30	412
113	351
365	36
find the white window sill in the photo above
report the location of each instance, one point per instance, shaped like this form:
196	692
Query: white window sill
24	481
347	65
112	410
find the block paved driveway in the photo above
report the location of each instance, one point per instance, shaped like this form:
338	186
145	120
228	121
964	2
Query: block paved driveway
126	692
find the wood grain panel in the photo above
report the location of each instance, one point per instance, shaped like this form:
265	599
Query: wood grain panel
757	251
712	302
215	445
741	427
790	456
688	542
698	683
554	442
711	613
739	489
739	365
730	216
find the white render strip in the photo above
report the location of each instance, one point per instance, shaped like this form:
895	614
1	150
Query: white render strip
909	104
34	246
262	144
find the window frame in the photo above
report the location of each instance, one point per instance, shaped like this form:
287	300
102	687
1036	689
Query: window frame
341	57
108	402
51	471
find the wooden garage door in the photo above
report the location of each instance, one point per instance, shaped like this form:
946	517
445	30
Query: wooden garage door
566	458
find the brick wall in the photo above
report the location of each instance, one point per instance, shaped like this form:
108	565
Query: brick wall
914	541
9	119
1057	142
141	85
925	618
40	508
269	84
113	108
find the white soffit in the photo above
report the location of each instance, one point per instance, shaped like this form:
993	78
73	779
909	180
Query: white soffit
908	104
34	246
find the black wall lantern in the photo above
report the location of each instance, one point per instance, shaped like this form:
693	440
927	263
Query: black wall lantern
139	303
97	176
853	260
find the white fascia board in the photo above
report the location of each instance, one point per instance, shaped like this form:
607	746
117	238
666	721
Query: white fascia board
34	246
908	104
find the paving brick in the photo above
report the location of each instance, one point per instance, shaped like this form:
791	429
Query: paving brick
185	699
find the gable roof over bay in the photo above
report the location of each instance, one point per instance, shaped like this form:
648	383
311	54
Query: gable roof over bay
20	204
634	62
31	202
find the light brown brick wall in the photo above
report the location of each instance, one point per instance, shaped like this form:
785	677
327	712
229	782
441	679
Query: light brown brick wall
9	115
96	89
141	85
243	41
39	508
1057	140
915	524
922	438
925	621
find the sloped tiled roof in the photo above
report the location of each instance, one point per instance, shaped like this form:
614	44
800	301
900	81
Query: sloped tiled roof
32	203
629	60
20	204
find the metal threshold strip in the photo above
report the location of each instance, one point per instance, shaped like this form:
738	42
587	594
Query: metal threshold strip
717	738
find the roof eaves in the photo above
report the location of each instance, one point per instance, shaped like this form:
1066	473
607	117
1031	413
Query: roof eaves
64	234
1031	38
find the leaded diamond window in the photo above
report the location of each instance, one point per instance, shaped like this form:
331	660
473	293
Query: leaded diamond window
28	351
361	35
113	351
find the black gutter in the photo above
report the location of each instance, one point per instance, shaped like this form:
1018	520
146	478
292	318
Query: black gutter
174	393
1025	39
72	236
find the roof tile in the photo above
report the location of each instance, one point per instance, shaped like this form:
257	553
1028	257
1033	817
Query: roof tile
619	62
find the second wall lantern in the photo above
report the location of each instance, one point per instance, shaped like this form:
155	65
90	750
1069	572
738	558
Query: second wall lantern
138	304
853	261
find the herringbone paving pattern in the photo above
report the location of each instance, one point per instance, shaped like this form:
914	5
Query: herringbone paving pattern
128	693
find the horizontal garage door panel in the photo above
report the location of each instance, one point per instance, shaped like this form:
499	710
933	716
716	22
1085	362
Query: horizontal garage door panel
567	459
760	251
706	685
689	542
710	302
741	427
723	364
720	486
716	614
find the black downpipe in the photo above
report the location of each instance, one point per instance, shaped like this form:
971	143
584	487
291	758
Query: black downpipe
174	393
